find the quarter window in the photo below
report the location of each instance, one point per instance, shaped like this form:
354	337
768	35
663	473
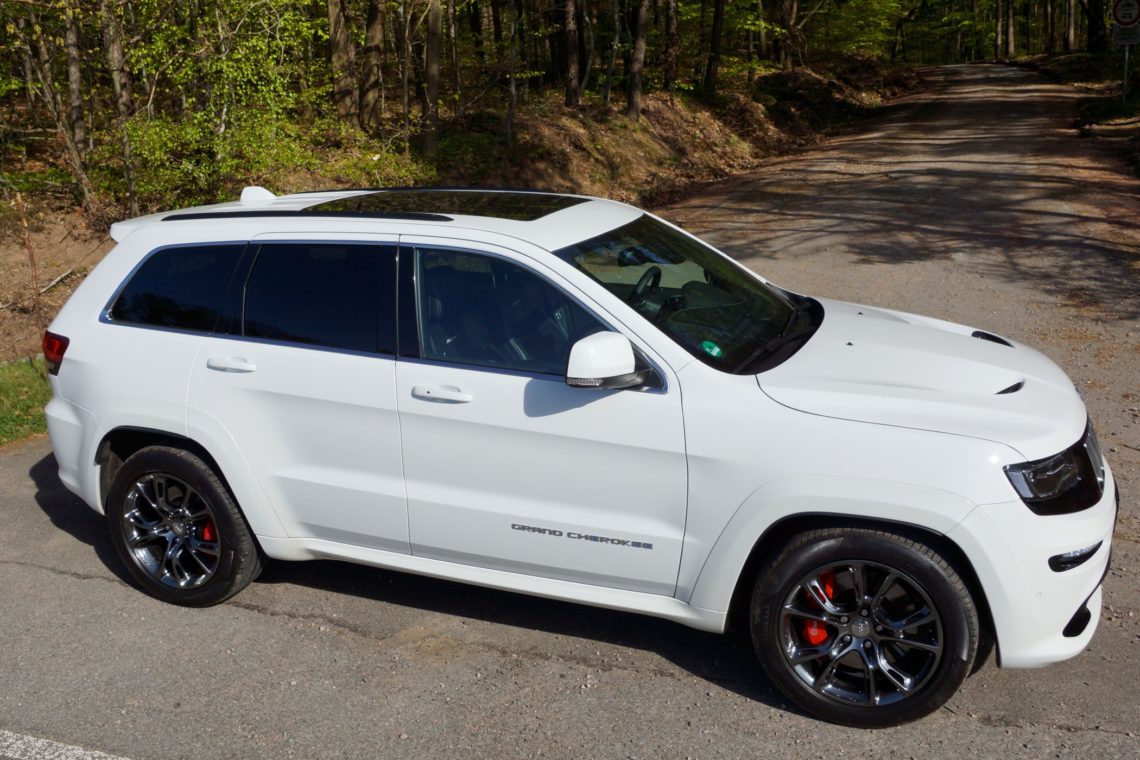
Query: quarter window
179	287
482	310
331	295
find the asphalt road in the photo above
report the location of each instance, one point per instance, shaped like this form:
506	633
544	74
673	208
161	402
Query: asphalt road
975	201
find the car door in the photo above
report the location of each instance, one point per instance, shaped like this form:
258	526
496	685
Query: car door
506	466
302	379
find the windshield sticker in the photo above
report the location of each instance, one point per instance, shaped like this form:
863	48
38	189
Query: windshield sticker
711	348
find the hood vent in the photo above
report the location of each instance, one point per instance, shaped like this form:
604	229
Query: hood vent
991	338
1013	388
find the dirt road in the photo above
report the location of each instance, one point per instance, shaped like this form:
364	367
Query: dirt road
973	202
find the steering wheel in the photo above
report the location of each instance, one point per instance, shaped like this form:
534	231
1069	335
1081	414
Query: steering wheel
651	279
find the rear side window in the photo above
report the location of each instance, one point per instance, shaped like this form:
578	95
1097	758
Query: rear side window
327	294
179	288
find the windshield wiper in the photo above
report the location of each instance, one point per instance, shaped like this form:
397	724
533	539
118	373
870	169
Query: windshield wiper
788	335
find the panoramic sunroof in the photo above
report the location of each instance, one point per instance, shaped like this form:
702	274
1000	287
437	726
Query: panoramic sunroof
519	207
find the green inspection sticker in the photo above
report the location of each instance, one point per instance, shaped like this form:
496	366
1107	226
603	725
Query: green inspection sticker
711	348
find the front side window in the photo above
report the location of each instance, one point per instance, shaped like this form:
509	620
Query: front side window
179	288
323	294
703	301
485	311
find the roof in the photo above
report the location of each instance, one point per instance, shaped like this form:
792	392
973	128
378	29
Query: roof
549	220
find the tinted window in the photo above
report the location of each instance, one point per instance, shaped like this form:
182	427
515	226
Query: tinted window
179	287
339	296
482	310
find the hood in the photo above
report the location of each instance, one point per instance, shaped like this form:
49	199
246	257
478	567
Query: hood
890	368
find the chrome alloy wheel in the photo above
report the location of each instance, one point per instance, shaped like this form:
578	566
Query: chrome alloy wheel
170	532
861	633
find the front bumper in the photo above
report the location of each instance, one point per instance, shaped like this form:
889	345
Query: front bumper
1039	613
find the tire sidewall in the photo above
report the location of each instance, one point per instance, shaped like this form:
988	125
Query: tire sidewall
191	471
956	613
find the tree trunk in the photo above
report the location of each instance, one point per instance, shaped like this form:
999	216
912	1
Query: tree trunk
765	52
1010	29
637	62
37	59
404	32
573	92
587	50
999	29
121	89
452	38
513	100
672	42
373	74
74	78
341	56
714	49
1070	41
475	21
1098	34
611	64
434	43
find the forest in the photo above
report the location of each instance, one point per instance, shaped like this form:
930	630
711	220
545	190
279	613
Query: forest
132	104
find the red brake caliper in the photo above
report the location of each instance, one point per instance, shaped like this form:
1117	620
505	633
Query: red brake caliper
814	631
208	531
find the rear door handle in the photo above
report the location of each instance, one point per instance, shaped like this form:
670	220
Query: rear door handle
447	394
230	364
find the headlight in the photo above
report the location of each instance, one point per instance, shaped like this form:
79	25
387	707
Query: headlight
1067	482
1045	478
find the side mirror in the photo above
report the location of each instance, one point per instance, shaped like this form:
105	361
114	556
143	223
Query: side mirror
604	360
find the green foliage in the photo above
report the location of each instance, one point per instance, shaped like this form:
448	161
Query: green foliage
24	390
863	27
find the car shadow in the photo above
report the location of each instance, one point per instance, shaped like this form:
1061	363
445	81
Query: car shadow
725	660
68	513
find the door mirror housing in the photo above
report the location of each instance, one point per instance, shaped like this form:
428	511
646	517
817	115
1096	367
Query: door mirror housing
604	360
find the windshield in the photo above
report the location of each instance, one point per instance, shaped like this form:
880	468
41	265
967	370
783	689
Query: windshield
705	302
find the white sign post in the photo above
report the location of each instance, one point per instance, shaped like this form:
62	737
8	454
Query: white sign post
1126	32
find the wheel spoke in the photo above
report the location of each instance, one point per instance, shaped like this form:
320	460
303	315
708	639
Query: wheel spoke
823	680
869	667
915	644
816	592
919	617
806	654
898	679
859	581
884	587
146	536
798	610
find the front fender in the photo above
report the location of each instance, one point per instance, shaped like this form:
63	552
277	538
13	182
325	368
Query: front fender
826	497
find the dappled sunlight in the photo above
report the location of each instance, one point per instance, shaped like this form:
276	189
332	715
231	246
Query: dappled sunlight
983	170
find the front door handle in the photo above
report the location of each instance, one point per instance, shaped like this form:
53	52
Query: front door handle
230	364
447	394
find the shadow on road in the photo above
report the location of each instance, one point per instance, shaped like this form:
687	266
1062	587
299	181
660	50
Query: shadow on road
724	660
984	169
68	513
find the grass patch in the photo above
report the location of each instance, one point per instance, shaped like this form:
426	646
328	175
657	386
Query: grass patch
24	390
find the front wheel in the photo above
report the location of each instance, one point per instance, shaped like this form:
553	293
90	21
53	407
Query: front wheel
178	530
863	627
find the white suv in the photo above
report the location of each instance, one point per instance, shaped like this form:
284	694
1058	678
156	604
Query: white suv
572	398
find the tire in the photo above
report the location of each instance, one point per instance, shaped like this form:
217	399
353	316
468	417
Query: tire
178	530
863	627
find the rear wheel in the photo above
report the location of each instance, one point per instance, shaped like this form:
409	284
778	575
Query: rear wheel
178	530
863	627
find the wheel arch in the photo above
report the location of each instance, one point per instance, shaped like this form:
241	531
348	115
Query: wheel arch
118	444
777	534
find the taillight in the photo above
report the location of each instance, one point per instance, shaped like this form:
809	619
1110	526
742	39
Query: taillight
54	348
